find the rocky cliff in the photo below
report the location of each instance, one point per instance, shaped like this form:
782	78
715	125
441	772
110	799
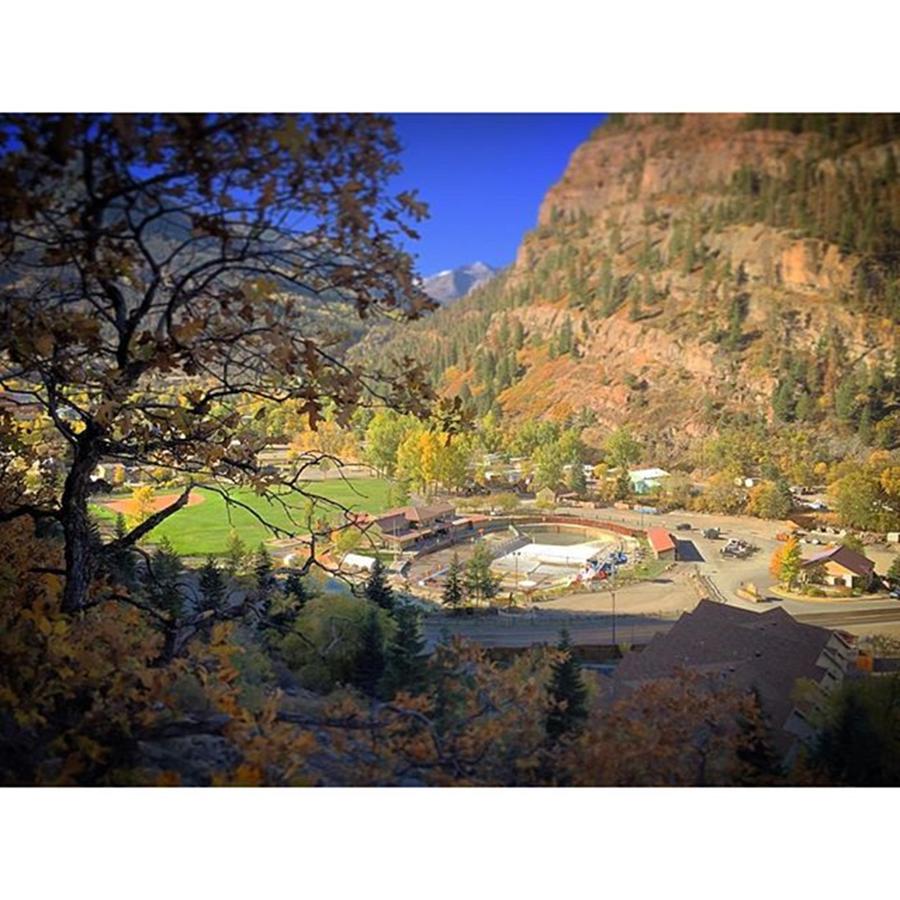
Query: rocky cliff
692	270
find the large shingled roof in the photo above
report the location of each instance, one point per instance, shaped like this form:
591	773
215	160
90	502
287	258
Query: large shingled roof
765	652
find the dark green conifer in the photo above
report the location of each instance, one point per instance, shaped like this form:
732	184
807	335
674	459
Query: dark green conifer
567	711
377	589
405	662
369	663
212	587
453	594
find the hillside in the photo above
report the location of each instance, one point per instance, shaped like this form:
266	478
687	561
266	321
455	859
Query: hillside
689	271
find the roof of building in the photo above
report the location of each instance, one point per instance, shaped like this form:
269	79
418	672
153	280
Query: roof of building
426	513
843	556
765	652
644	474
419	513
391	515
660	539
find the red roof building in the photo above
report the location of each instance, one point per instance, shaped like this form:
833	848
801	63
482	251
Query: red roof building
661	543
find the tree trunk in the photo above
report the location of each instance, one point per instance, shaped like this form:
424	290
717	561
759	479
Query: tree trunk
79	553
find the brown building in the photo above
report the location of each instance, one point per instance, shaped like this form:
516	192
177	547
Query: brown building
761	652
662	544
841	566
412	527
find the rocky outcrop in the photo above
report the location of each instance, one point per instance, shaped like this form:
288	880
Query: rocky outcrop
689	257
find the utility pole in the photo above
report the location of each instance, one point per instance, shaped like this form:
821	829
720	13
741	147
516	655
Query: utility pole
615	570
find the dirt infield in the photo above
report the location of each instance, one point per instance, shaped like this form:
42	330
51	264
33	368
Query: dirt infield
127	507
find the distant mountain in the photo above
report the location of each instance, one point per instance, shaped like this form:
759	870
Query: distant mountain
451	284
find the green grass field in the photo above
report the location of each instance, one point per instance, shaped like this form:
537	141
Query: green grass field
203	529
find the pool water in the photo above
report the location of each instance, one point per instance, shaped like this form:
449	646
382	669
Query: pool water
549	535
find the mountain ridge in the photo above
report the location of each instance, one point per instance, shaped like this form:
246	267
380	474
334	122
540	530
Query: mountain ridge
690	271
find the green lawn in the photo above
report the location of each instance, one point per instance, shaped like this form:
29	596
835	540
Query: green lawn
204	528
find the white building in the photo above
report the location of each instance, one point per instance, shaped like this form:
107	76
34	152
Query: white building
643	481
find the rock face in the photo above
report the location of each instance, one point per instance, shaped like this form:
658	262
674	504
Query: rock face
452	284
683	268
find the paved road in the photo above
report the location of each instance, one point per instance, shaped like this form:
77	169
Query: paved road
525	630
545	629
851	617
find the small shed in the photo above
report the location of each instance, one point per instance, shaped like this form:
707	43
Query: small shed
662	544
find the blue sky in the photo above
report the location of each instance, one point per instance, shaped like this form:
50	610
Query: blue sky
484	176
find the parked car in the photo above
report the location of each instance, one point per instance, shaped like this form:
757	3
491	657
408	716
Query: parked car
737	548
683	526
711	533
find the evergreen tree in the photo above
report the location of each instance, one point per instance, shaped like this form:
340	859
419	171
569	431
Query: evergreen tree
567	692
262	571
518	334
864	429
235	554
282	610
369	663
295	590
453	594
405	660
893	573
121	560
480	582
845	398
161	580
858	744
212	587
377	590
783	400
805	410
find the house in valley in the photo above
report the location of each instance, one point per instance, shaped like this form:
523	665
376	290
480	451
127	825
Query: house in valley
842	566
646	481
